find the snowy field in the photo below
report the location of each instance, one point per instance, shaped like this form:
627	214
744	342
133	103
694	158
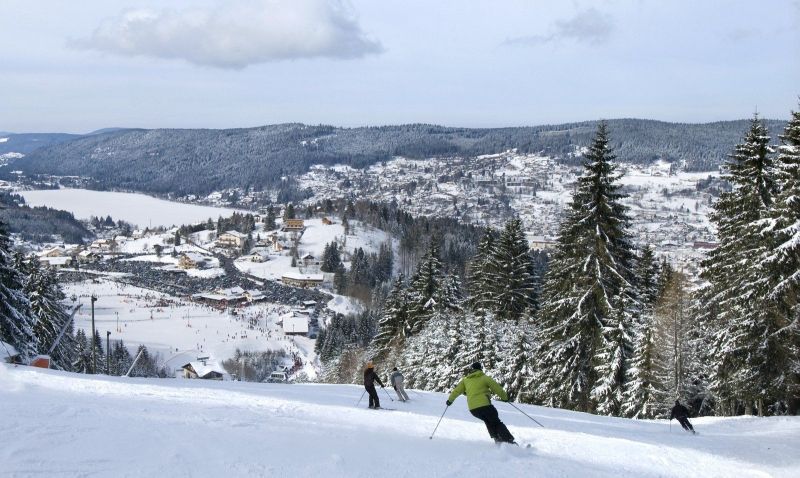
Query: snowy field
313	241
57	424
168	325
138	209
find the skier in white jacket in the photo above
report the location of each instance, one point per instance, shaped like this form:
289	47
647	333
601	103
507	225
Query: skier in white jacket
396	379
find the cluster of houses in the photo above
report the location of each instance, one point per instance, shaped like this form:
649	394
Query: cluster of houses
230	296
298	321
69	256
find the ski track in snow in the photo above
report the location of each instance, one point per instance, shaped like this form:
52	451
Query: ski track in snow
58	424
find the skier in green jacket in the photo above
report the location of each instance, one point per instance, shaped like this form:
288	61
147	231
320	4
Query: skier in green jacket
479	388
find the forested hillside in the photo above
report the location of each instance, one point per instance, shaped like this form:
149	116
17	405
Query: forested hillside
191	161
40	224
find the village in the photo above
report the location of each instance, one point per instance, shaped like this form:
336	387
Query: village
274	273
206	296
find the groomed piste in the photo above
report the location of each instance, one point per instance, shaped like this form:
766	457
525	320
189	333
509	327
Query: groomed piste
60	424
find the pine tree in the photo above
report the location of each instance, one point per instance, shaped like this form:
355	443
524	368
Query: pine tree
743	343
269	222
641	398
614	358
480	343
424	289
330	257
288	212
517	367
783	263
50	316
121	359
478	274
83	353
510	274
16	320
581	291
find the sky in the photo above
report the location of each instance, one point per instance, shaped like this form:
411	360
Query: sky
81	66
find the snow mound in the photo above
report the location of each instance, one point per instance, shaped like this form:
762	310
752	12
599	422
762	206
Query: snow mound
68	425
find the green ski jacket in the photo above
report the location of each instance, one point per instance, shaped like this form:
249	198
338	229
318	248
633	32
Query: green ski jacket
478	388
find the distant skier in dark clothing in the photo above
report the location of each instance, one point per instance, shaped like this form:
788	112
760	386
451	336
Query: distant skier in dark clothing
681	413
479	388
370	377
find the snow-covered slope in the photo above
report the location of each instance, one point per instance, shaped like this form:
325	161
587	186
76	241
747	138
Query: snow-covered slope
58	424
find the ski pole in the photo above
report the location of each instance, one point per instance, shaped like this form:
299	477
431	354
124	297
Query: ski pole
670	425
362	397
525	414
387	394
440	421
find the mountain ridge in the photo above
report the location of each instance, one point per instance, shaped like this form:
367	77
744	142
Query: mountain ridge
199	161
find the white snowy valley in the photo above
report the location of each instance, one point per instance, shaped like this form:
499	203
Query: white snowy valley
59	424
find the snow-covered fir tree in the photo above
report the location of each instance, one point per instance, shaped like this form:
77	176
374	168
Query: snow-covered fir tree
782	261
580	297
744	344
641	385
83	353
510	276
614	357
330	258
424	290
50	315
478	278
641	399
16	319
391	325
516	368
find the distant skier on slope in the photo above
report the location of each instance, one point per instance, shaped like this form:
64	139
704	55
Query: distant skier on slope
396	379
681	413
370	377
479	388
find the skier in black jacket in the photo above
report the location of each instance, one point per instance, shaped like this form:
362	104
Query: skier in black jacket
370	377
681	413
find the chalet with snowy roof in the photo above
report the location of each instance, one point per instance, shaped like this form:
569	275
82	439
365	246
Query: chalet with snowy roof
59	251
294	225
294	324
192	260
231	239
297	279
258	256
56	262
88	256
255	295
199	369
103	245
309	260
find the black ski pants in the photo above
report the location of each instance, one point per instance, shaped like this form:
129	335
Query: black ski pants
497	429
684	421
373	396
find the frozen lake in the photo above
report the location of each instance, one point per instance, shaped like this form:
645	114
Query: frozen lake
138	209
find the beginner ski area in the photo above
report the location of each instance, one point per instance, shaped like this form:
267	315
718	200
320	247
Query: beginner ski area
59	424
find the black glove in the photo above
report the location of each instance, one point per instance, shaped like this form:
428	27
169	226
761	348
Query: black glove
449	403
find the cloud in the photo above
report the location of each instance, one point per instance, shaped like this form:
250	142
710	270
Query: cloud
236	33
589	26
